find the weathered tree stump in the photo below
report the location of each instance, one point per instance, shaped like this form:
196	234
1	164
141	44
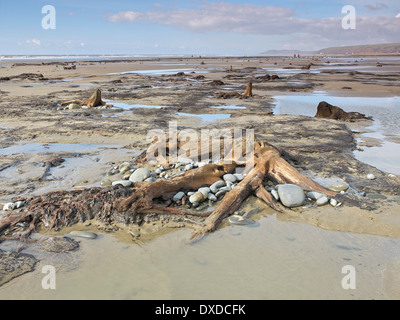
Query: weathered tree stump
94	101
124	205
249	90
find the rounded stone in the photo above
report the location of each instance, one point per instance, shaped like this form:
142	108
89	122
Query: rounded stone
9	206
333	202
205	191
106	183
239	177
124	183
370	176
322	201
74	106
229	178
215	186
198	197
178	196
313	195
291	195
338	187
275	194
140	175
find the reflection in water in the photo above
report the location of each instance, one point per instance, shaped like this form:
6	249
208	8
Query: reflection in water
383	110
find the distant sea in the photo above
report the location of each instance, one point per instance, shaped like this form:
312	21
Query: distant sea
17	58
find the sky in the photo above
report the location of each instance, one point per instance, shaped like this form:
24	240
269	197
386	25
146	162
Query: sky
226	27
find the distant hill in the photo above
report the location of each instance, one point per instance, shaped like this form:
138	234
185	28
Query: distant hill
373	49
370	49
287	52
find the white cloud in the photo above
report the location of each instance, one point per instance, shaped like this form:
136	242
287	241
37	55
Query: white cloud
125	16
268	21
398	16
33	42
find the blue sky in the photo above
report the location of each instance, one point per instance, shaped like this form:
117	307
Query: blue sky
192	27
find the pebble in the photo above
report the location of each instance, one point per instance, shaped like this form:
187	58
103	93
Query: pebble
239	177
338	187
370	176
229	178
124	167
205	191
19	204
240	220
333	202
198	197
215	186
140	175
220	193
212	197
189	167
322	201
178	196
83	234
74	106
275	194
151	179
313	195
291	195
9	206
125	183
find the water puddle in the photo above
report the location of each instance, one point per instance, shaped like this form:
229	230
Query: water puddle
52	147
206	117
384	111
282	265
228	107
134	106
160	72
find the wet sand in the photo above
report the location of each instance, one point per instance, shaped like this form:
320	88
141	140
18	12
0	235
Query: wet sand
321	149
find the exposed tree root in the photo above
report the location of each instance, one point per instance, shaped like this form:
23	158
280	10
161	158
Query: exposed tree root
126	206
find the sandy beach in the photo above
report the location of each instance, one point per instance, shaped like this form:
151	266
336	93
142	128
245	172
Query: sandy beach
151	93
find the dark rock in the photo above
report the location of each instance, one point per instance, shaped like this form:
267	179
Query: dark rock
328	111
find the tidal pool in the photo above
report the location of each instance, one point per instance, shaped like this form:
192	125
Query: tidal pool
384	111
52	147
206	117
160	71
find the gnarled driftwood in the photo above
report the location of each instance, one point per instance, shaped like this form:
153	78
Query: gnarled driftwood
125	205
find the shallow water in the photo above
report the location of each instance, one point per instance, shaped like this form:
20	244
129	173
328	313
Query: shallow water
276	260
52	147
205	117
385	156
161	71
229	107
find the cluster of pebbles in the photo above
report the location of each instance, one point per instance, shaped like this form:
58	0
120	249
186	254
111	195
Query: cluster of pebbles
290	196
127	175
